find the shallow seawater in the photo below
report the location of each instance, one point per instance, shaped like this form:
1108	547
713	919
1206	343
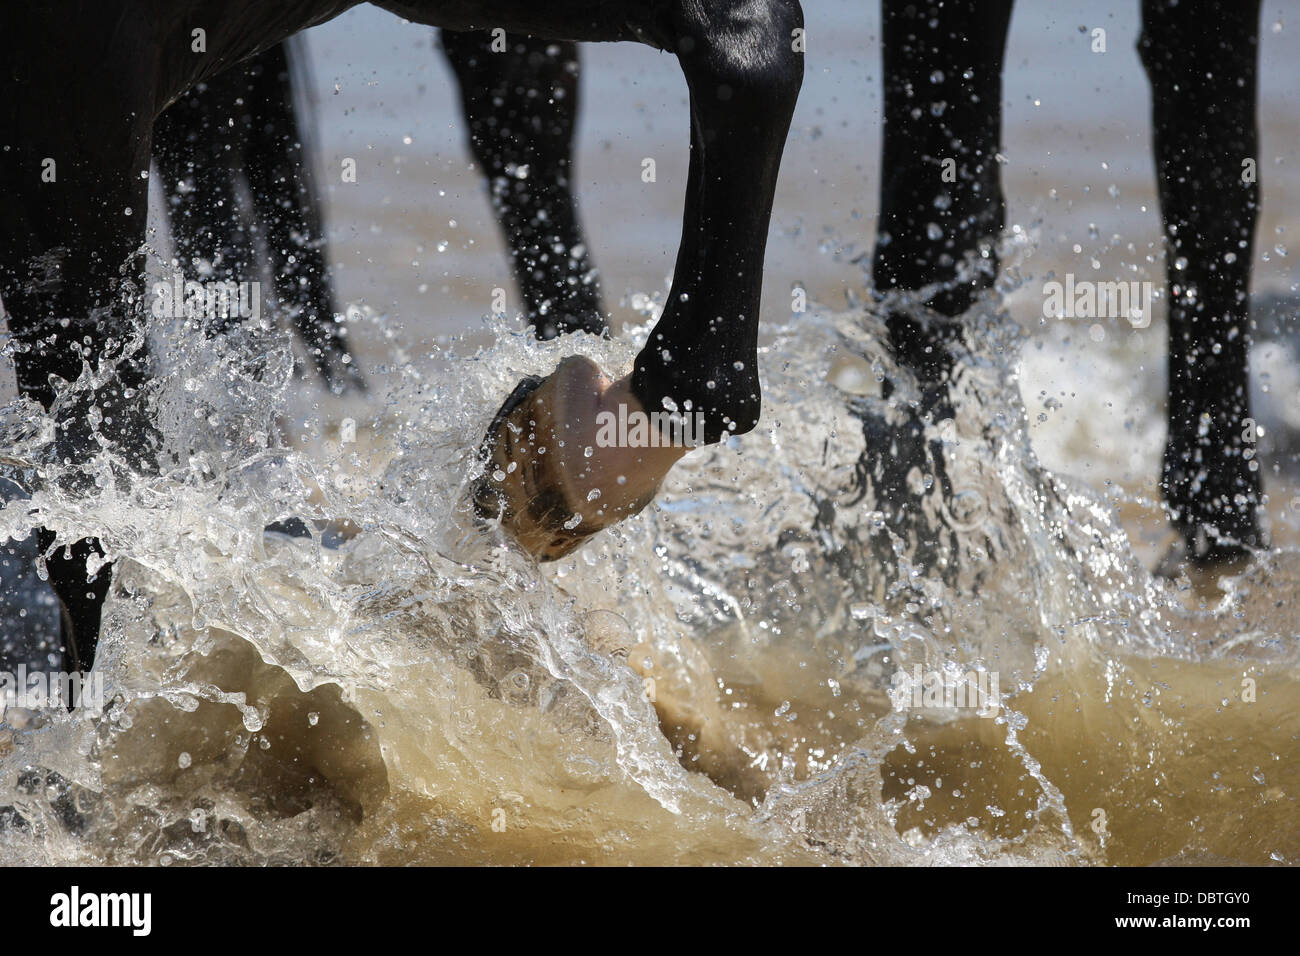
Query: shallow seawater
753	671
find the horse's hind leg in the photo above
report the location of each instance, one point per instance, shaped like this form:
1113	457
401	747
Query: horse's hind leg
73	214
521	106
199	144
940	190
1203	83
286	206
238	129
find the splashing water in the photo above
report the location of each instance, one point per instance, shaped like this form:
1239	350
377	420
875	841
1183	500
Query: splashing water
757	669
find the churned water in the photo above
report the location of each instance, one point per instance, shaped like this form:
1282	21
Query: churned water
759	668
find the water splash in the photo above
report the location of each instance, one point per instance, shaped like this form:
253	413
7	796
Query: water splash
714	681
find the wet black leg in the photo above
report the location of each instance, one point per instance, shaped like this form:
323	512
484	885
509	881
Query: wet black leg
942	213
81	599
744	78
199	145
940	191
286	207
230	154
1202	70
73	215
744	68
521	107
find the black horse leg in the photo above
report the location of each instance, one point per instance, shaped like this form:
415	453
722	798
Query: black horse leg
73	215
239	132
1203	84
521	106
940	190
941	215
744	68
286	205
744	78
95	329
199	145
702	355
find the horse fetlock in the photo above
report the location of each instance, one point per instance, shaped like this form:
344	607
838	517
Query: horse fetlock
718	402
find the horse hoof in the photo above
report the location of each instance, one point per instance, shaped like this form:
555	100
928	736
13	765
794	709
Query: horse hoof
541	479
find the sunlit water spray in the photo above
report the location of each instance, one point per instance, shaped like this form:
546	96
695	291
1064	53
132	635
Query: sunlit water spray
754	670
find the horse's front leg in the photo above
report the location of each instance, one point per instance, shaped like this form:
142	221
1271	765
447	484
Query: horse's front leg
521	108
1203	89
555	477
74	213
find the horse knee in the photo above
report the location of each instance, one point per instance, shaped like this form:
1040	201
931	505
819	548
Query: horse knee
742	52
